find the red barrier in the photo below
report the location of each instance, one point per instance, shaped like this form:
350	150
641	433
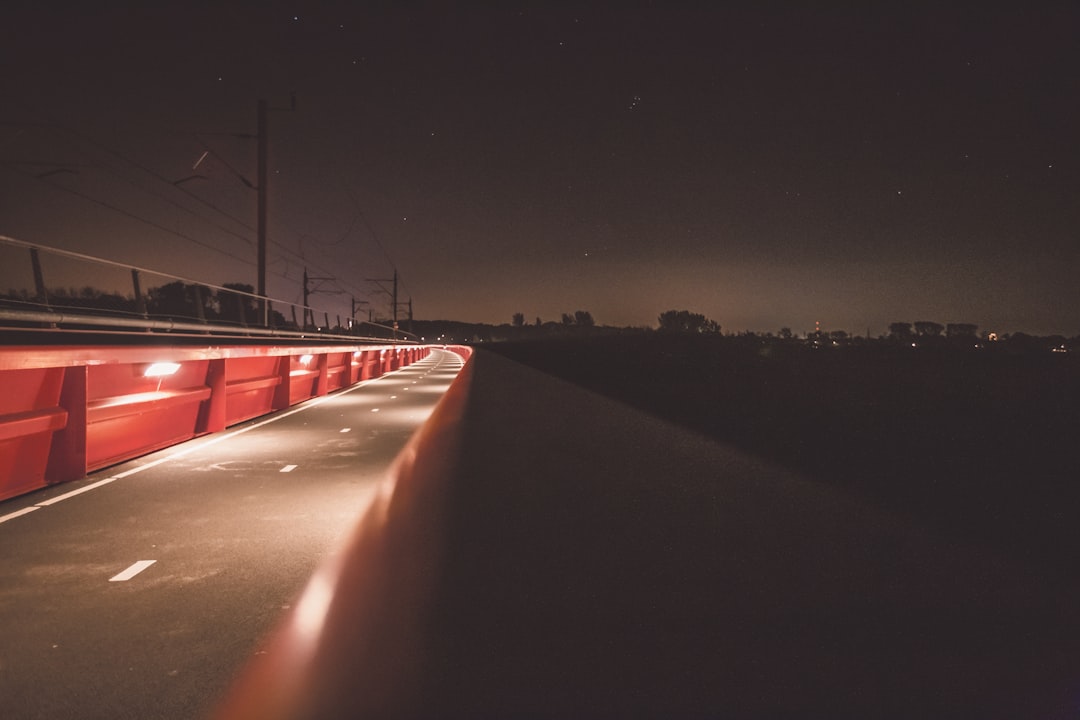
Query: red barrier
540	550
29	415
369	364
353	646
65	411
250	385
337	371
131	412
304	374
463	350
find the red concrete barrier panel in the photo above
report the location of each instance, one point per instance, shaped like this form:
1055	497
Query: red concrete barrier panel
250	383
29	415
367	360
303	377
463	350
132	411
337	370
67	410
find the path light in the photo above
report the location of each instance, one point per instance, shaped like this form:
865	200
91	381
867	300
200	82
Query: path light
161	369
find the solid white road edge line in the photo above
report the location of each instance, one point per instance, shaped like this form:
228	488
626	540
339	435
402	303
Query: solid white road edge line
73	493
18	513
132	571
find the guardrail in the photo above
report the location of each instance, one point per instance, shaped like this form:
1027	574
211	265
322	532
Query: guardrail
66	411
135	298
539	550
354	644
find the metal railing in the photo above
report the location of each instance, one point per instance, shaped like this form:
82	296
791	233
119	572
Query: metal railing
136	299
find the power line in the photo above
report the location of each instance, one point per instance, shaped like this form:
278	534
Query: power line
300	257
363	219
188	210
117	154
112	172
133	216
374	236
303	260
358	215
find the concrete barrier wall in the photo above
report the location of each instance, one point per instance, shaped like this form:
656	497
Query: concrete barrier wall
541	551
30	414
66	411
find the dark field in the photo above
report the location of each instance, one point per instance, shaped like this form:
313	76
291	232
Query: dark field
981	444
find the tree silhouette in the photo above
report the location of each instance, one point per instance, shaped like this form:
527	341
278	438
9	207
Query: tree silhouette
900	331
238	308
92	298
961	330
926	328
175	299
583	318
519	319
686	322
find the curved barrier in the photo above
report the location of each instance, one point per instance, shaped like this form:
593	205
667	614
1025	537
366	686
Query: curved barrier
541	551
354	645
66	411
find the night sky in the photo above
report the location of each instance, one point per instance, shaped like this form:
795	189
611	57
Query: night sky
765	164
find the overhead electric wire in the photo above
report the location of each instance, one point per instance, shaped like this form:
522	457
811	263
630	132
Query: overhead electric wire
307	262
374	235
133	216
117	154
236	173
342	286
167	181
188	210
367	224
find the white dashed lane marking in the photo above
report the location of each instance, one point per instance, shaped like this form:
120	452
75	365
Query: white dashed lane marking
288	468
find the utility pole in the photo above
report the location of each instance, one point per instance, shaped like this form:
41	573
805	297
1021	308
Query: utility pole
311	292
262	139
355	304
306	293
260	225
410	315
393	296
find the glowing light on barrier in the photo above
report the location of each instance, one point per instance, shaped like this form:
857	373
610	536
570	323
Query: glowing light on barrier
161	369
305	359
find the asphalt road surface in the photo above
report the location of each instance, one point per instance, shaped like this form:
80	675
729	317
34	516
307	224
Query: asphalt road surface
140	591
